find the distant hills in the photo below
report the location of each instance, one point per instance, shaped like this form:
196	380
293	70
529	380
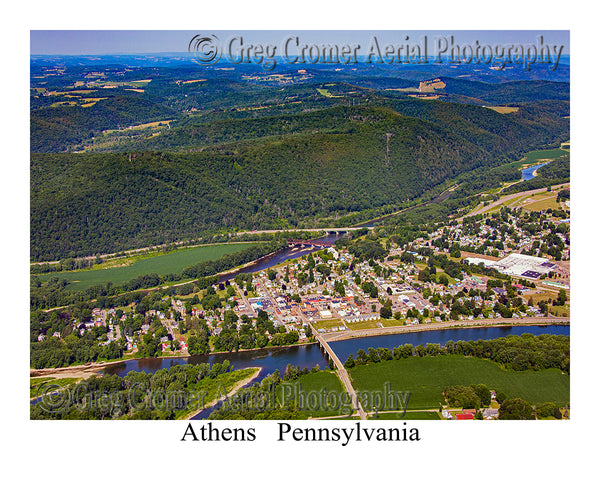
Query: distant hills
248	150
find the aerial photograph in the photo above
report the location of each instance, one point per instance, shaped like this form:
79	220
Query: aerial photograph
300	225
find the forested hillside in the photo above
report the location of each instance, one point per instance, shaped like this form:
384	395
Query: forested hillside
321	165
55	128
168	154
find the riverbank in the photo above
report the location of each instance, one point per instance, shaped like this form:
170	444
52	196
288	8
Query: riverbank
87	370
249	264
475	323
238	386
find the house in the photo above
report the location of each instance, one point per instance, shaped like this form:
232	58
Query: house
490	413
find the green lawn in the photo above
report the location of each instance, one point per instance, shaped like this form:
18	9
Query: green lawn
327	324
173	262
426	377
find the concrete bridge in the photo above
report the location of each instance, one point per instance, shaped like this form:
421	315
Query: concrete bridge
341	371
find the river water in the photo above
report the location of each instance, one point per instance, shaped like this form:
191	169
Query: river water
529	173
309	356
281	256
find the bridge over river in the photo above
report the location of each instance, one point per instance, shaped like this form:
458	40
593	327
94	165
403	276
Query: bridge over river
342	373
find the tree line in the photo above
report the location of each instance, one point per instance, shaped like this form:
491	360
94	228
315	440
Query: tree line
524	352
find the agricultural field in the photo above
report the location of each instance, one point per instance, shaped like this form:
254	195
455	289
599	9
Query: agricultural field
314	382
173	262
426	378
142	126
504	110
537	155
326	93
425	97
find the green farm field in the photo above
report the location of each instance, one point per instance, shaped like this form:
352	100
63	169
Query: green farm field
173	262
314	382
426	378
536	155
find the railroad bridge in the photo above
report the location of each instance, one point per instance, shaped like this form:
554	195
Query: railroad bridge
310	243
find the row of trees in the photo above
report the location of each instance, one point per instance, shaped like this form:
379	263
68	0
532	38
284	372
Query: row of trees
524	352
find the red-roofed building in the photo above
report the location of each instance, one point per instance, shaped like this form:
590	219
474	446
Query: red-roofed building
465	416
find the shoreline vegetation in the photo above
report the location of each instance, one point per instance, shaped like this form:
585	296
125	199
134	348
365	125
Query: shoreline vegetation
237	387
87	370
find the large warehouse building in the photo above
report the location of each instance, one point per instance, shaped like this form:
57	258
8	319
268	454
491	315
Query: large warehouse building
518	265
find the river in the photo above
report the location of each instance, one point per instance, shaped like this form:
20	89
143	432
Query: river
529	173
311	355
273	359
285	254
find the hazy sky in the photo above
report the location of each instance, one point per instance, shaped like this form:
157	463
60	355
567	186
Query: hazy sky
97	42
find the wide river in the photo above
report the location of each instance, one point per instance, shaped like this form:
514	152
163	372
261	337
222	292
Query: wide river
311	355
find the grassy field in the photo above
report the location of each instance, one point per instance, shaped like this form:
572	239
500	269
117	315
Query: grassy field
173	262
390	322
504	110
536	155
543	204
534	202
327	324
426	377
315	382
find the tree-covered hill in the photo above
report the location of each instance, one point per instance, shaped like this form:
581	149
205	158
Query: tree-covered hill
55	128
322	165
506	92
534	123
